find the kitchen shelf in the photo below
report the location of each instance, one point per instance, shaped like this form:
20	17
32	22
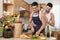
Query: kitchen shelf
8	7
7	3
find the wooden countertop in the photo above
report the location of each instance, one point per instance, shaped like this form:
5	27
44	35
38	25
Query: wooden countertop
19	39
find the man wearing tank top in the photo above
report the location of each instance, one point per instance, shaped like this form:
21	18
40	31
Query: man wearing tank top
38	19
50	19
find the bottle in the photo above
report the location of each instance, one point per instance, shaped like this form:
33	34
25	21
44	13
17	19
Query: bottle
48	31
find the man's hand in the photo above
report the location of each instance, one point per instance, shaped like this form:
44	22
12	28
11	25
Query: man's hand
32	29
37	33
34	25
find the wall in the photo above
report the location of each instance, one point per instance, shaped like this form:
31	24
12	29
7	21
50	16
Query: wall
1	7
55	10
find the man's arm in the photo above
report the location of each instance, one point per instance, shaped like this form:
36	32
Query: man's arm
30	23
43	19
30	20
52	21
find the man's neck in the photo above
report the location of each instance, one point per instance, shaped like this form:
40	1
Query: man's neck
36	12
46	12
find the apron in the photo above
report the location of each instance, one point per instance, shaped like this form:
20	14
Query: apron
38	23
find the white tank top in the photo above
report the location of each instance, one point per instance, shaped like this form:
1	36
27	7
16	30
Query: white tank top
49	17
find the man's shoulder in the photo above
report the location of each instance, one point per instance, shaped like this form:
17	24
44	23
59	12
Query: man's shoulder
52	14
43	14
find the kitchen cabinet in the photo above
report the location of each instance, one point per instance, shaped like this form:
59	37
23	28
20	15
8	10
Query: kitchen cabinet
13	6
18	4
30	8
8	6
42	5
56	34
25	14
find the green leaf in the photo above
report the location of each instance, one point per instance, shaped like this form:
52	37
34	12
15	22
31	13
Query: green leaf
35	37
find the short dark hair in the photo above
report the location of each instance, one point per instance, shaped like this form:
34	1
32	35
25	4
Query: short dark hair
50	5
34	4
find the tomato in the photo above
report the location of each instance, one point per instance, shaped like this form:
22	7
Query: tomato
11	25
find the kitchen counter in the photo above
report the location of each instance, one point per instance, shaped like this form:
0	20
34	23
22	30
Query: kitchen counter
21	39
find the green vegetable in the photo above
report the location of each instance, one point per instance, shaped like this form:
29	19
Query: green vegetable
35	37
13	19
1	29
